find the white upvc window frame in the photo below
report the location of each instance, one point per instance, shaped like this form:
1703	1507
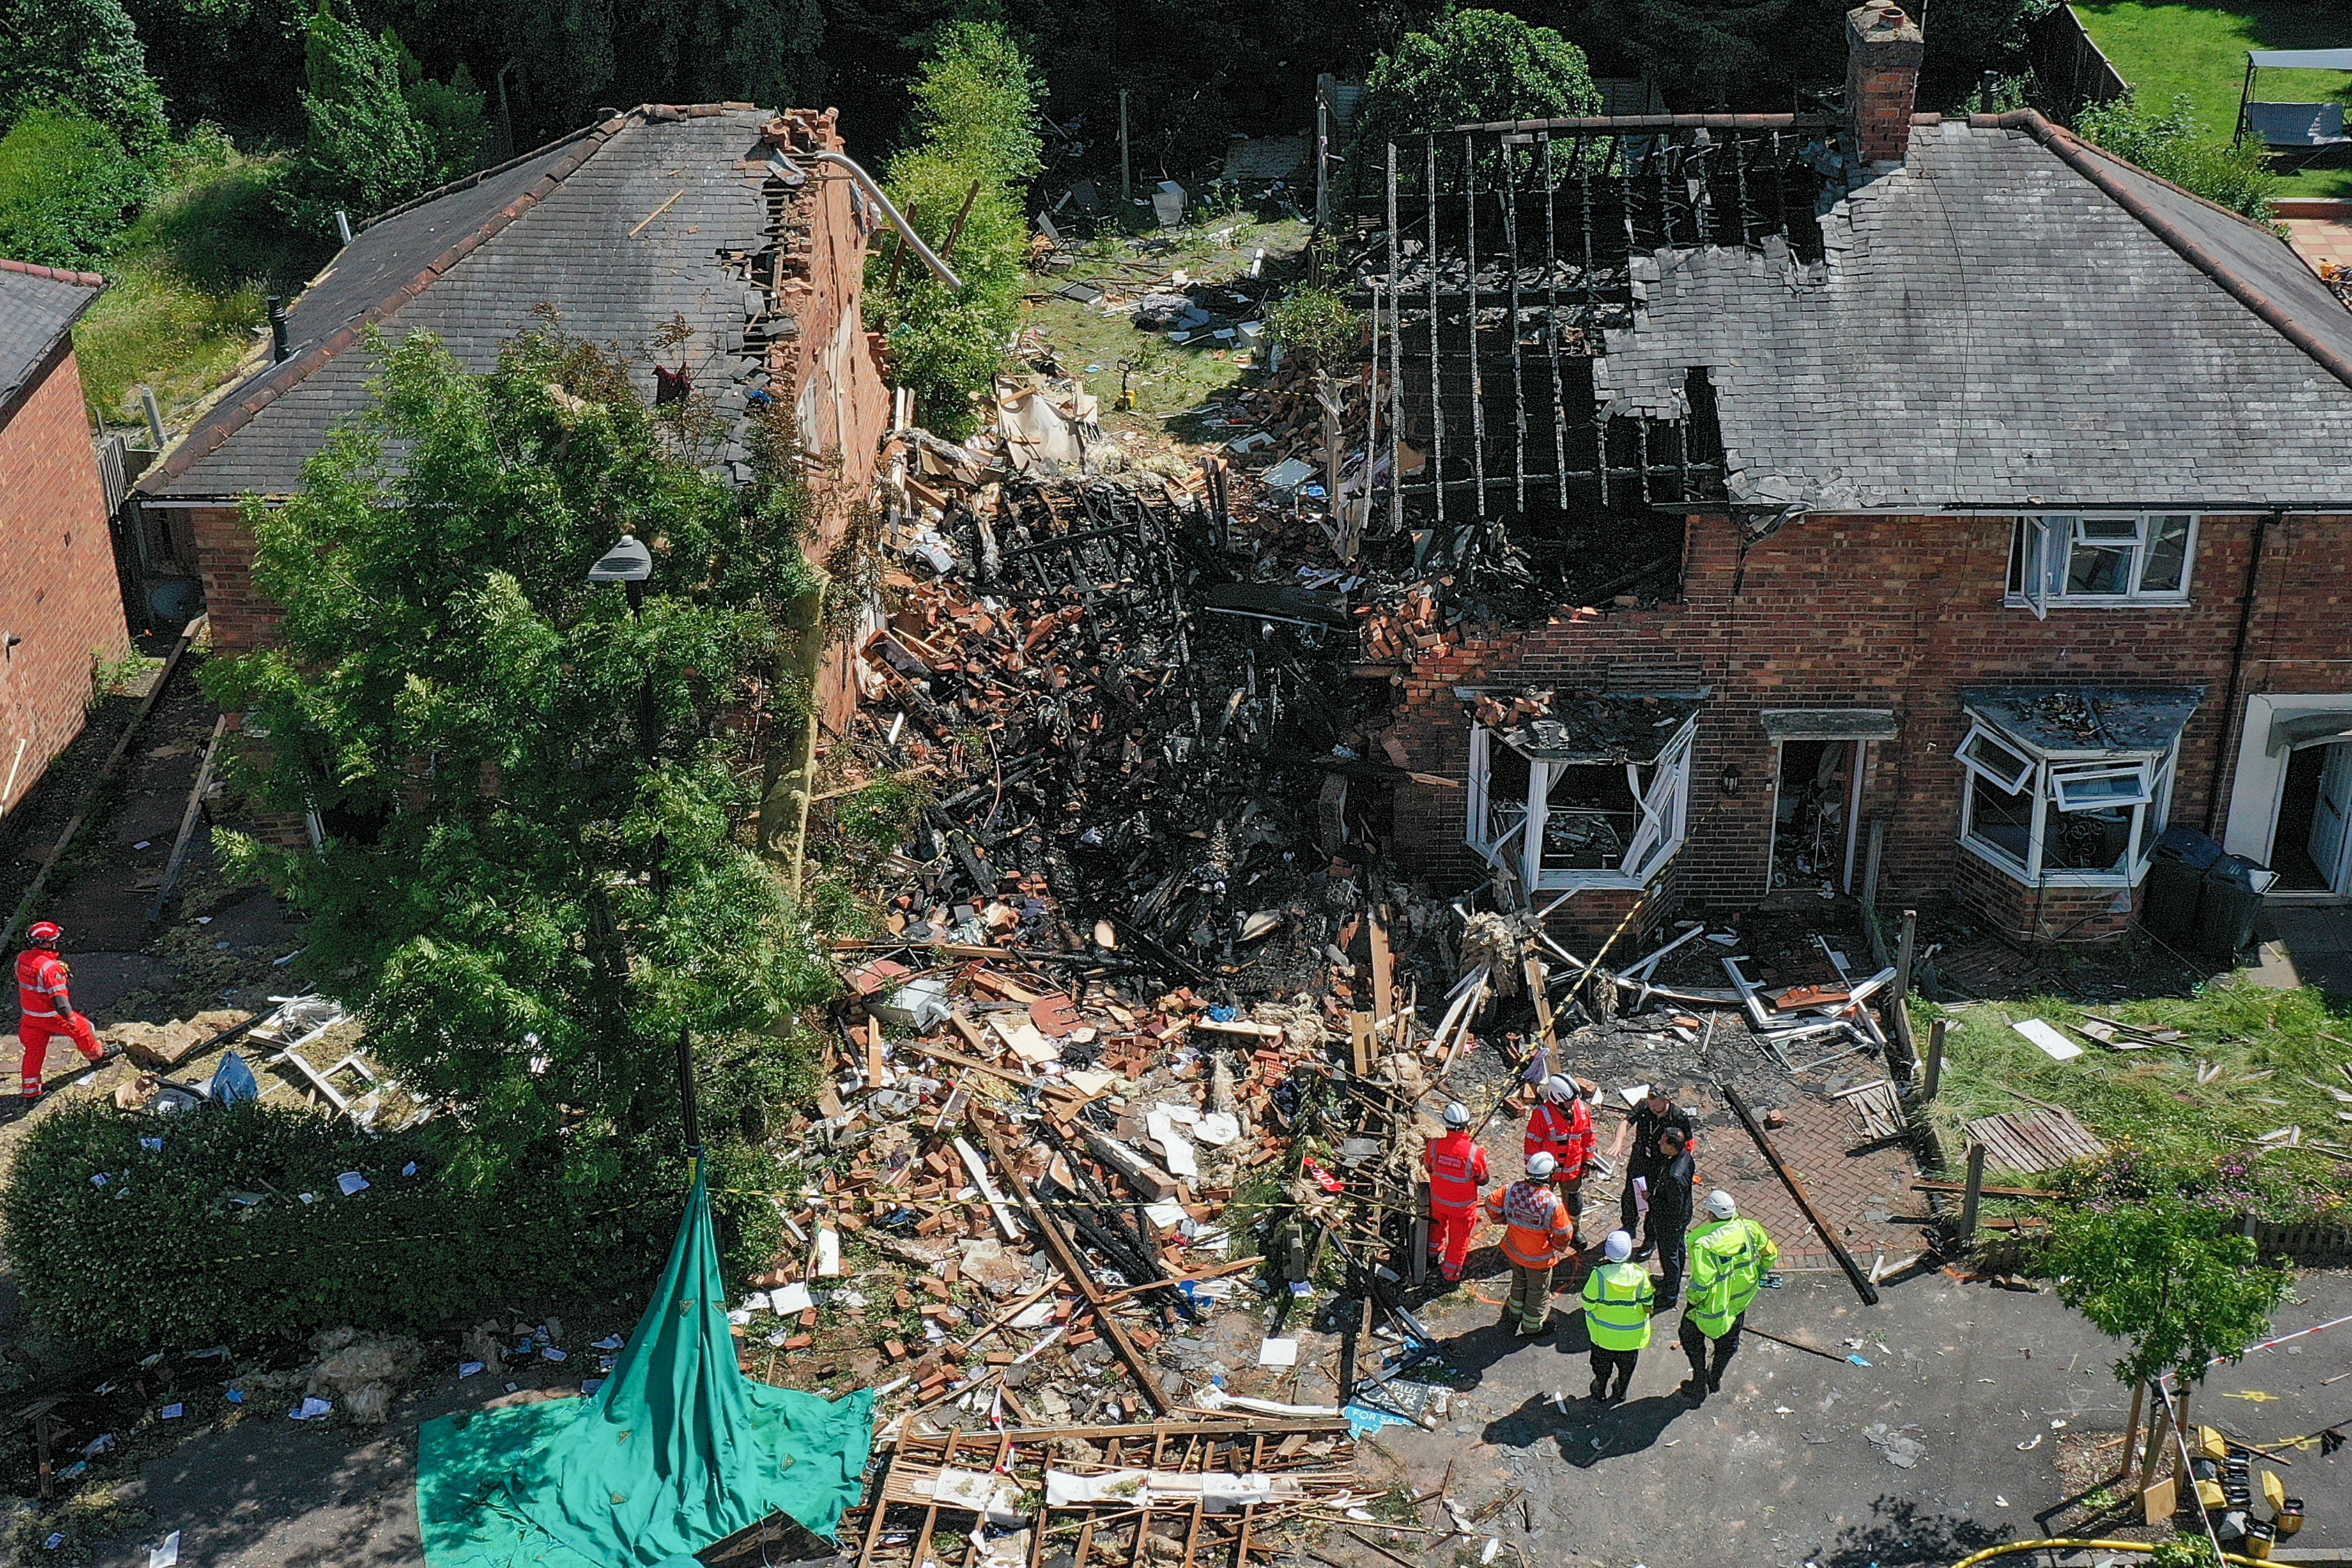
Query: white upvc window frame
1660	791
2054	784
2042	545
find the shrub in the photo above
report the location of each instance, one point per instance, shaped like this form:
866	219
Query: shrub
125	1247
2175	147
976	110
83	57
66	189
1318	322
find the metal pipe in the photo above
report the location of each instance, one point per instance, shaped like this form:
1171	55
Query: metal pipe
1477	381
1396	361
1435	467
2232	719
865	183
1551	324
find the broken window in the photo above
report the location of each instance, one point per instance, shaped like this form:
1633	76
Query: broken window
1585	792
2062	787
2106	559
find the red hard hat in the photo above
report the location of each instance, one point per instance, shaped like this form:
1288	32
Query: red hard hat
46	933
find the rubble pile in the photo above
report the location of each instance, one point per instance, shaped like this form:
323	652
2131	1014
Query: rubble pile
1159	755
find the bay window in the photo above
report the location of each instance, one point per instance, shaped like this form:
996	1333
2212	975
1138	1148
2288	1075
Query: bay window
2069	787
1601	801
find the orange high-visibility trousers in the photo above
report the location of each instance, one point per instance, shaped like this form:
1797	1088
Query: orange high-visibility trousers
36	1033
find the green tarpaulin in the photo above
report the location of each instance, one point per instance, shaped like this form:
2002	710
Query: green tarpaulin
678	1449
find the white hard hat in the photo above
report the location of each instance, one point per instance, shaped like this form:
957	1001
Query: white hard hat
1457	1115
1719	1205
1540	1165
1558	1087
1619	1246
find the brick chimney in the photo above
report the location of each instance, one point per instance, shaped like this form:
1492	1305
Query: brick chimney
1881	77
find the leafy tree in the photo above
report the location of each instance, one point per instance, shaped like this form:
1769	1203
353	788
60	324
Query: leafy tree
66	188
380	132
762	51
80	57
365	151
2176	146
977	120
1475	65
2167	1274
2170	1278
448	113
532	798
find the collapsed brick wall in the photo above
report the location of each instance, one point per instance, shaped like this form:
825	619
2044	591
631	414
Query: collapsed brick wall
828	370
1887	613
60	594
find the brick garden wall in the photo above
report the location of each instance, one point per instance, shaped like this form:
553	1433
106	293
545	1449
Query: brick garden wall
1891	613
59	592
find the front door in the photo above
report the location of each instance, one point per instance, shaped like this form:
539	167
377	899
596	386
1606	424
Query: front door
2329	815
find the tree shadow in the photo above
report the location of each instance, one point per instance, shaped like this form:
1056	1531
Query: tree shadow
1900	1534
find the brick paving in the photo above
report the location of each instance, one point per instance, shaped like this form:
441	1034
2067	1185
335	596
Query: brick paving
1866	1194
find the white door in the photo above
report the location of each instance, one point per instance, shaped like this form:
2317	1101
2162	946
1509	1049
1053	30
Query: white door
2330	813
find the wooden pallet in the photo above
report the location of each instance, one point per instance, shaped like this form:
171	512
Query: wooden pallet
1312	1459
1879	1111
2030	1140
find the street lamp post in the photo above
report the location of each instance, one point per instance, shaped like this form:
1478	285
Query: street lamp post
630	563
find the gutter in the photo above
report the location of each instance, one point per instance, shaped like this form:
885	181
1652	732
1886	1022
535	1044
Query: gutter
2077	155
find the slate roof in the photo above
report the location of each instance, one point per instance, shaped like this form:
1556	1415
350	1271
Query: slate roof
38	305
473	263
1992	328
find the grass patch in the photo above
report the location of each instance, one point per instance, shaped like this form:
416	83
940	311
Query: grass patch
187	284
2150	1100
1169	382
2200	51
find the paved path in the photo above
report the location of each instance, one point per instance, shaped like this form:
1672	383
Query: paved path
1782	1468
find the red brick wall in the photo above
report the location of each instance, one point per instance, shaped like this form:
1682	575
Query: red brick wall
1894	613
242	619
59	592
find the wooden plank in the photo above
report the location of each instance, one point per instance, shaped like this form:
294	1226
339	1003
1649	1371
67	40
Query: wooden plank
1383	981
931	1514
1359	1042
1066	1257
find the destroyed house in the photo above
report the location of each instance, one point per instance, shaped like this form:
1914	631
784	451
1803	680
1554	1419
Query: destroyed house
703	244
1936	496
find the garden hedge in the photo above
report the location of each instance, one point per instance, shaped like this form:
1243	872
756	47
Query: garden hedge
131	1232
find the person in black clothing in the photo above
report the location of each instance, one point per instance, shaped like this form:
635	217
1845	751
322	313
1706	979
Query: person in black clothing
1669	1212
1656	1112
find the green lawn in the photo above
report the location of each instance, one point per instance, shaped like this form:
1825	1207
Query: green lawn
2278	1051
185	287
2200	51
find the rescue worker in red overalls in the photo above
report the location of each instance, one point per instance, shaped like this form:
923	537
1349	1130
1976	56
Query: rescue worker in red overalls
1457	1169
1561	1127
45	1008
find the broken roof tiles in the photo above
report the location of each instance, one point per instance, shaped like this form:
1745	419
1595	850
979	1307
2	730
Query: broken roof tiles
2101	719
